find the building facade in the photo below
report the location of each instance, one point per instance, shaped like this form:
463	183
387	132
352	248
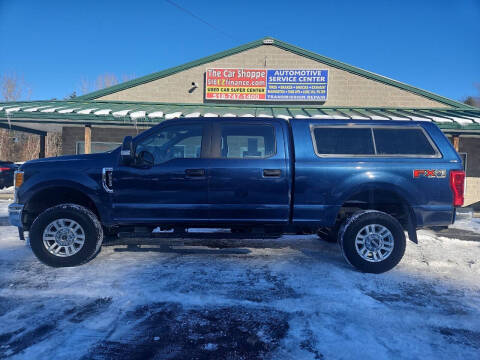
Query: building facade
283	81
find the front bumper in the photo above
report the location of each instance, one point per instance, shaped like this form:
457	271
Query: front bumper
15	214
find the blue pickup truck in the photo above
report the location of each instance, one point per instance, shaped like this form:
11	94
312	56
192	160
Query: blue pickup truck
365	184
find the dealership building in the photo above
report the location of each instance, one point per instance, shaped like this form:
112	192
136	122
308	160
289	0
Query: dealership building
264	78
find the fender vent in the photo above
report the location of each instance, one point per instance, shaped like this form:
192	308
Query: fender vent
107	179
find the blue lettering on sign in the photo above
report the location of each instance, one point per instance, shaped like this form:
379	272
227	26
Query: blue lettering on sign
297	85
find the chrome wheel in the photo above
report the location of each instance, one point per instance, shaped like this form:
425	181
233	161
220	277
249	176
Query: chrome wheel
63	237
374	243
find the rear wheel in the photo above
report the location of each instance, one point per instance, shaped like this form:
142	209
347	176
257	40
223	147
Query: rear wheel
372	241
66	235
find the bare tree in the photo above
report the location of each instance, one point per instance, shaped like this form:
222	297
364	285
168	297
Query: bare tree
126	77
102	81
54	144
21	146
473	100
13	87
6	148
28	148
84	85
105	80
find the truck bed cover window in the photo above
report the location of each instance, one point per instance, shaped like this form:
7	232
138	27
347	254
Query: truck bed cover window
402	142
343	141
371	141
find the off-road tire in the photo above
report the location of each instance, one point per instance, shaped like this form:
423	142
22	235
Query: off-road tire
84	217
351	227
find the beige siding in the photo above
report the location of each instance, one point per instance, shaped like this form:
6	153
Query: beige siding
471	146
344	88
472	194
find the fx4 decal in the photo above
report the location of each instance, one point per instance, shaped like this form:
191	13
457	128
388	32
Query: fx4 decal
434	173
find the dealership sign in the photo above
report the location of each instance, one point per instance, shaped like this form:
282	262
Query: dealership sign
266	84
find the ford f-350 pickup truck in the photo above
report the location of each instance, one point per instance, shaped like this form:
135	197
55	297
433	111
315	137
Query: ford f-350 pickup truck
362	183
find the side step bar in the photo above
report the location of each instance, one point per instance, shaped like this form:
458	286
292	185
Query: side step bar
147	238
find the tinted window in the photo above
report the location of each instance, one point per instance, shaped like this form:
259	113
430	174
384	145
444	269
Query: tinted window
240	141
344	140
173	142
402	142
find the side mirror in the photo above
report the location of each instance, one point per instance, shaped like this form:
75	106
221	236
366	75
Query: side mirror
127	152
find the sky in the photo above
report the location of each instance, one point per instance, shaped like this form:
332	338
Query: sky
54	45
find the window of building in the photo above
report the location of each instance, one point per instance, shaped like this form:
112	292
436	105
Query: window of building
343	141
402	142
247	141
97	146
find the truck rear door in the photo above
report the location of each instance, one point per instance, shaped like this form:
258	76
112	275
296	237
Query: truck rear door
249	178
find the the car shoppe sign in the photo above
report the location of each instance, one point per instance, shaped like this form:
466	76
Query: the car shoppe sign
266	84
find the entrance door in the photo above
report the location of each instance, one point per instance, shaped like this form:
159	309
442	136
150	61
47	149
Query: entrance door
248	172
175	188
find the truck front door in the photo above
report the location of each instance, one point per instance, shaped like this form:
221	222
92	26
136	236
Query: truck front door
249	172
175	188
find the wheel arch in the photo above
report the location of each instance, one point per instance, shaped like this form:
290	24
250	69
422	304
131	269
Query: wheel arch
55	195
382	198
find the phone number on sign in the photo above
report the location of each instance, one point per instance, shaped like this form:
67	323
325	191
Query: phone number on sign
236	96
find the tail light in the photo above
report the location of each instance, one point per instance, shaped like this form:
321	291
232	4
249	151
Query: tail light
4	169
457	183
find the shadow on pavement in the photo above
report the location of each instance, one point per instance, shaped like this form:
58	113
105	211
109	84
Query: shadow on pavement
459	234
169	249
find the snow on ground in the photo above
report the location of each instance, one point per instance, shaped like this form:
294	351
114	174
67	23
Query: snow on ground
3	214
291	298
7	190
467	224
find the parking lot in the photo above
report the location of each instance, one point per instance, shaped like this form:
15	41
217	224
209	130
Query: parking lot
291	298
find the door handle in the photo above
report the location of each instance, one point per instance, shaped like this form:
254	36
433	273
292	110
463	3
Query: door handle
272	172
195	172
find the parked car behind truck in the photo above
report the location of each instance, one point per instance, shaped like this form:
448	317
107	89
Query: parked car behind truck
7	168
363	183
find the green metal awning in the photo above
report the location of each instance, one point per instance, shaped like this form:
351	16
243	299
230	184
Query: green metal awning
148	114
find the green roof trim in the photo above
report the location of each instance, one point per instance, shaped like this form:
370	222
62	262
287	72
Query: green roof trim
268	41
50	112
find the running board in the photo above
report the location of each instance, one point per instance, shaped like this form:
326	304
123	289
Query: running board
146	238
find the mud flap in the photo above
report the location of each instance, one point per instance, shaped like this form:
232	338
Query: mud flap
412	226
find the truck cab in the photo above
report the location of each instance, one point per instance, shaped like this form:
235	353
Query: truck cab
205	172
363	184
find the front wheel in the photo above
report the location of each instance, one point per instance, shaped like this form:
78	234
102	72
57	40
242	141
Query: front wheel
372	241
66	235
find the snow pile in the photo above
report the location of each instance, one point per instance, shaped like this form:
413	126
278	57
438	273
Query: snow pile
8	190
471	225
4	215
293	297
